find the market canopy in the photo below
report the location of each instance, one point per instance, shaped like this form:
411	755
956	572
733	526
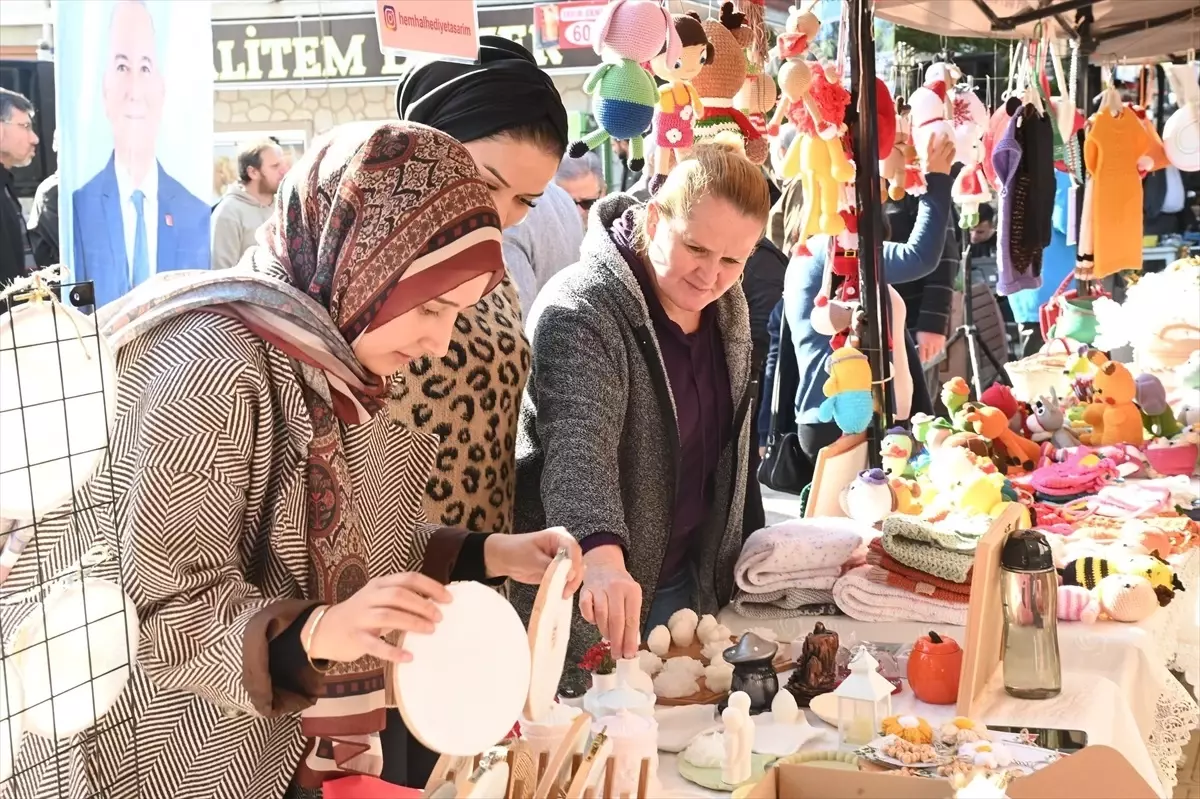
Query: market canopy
1133	29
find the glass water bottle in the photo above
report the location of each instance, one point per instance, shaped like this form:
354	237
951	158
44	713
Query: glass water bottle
1029	587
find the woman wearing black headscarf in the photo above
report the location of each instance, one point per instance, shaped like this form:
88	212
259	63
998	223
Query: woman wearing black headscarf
509	115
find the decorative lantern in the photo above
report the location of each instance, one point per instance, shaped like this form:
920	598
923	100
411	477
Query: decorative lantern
864	701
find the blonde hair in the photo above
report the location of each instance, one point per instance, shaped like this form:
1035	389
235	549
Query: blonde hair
717	168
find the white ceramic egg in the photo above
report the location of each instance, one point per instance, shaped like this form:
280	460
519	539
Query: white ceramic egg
784	709
682	625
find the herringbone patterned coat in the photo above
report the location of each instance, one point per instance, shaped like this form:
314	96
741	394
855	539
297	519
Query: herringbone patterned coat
205	513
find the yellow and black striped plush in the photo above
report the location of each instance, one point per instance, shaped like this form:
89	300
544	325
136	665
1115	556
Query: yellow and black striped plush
1087	572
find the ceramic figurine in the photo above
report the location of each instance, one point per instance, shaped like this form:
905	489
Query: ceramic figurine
739	740
754	676
816	670
784	709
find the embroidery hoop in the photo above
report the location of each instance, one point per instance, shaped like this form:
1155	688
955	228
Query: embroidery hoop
58	387
549	634
479	650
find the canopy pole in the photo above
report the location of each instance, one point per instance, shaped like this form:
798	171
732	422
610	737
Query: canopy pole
861	44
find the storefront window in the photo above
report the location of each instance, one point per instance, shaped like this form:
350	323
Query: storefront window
227	143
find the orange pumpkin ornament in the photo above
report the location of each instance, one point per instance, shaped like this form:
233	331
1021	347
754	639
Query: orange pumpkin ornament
934	669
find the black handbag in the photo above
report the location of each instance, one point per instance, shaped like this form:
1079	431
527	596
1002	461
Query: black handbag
784	466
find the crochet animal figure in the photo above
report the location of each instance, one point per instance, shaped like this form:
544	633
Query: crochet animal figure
1049	423
1157	419
833	312
756	98
1013	450
678	103
1155	569
795	73
628	34
1112	414
1076	603
1126	598
721	79
869	499
906	493
930	431
955	392
848	392
893	166
824	167
896	449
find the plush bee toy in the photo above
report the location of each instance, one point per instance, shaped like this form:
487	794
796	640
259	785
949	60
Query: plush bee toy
1089	571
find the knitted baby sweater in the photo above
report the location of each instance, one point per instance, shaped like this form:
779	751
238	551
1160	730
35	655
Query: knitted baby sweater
1024	163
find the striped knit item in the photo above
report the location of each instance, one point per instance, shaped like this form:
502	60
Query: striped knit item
877	556
916	587
1076	603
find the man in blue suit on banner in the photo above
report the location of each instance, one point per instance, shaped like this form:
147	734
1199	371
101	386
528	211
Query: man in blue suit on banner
132	219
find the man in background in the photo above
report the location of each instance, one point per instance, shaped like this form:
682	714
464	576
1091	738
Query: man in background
18	143
133	220
583	179
43	219
245	207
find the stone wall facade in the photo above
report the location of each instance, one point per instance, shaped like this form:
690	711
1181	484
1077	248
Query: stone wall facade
320	108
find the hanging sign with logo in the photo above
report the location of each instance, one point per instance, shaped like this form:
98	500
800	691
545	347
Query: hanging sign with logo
448	29
566	25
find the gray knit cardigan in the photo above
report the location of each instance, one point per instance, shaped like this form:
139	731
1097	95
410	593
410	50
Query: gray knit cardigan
597	441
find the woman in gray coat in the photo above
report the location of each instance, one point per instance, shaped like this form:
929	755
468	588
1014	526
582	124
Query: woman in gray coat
634	427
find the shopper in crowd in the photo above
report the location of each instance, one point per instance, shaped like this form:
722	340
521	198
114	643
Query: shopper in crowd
927	300
543	244
635	426
18	143
583	179
915	259
983	235
510	117
43	219
247	205
252	433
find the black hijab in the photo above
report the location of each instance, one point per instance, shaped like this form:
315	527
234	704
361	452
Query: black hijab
474	101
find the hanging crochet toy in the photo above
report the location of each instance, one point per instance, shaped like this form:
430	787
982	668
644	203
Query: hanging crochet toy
848	392
833	310
1112	414
628	34
720	80
678	103
893	166
928	116
970	186
824	167
757	98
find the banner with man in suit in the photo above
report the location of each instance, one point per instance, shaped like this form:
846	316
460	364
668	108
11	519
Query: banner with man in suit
135	155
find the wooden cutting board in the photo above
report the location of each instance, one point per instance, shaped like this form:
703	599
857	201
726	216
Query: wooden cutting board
783	662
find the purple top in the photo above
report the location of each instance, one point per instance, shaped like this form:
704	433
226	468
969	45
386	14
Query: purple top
698	376
1019	241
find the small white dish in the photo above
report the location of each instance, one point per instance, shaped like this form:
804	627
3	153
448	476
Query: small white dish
549	634
781	740
678	726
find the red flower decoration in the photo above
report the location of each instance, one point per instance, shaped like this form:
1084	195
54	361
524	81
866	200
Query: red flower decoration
599	659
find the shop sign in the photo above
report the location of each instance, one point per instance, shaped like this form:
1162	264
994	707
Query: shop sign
345	49
444	28
566	25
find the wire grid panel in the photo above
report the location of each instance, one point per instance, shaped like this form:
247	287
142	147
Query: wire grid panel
68	632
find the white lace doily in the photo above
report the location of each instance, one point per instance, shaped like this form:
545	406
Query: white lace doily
1174	719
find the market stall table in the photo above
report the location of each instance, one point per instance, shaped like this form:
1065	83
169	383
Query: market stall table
1096	705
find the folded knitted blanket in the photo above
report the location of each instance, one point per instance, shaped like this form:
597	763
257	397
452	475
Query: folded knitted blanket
919	554
917	587
800	553
861	598
957	532
877	556
784	603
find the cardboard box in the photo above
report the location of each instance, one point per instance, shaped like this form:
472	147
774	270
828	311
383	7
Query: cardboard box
1097	772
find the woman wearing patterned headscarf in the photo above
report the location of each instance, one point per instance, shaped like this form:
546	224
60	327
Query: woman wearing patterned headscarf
266	514
508	114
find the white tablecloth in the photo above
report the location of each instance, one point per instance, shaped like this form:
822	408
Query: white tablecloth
1148	710
1096	705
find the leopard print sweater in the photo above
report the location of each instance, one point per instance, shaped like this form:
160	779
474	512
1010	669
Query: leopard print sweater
469	400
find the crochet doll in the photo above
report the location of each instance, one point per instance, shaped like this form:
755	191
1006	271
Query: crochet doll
848	392
628	34
892	167
927	115
756	98
721	79
970	187
678	103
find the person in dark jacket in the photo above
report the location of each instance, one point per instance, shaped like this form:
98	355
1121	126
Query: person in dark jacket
43	219
927	300
18	143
